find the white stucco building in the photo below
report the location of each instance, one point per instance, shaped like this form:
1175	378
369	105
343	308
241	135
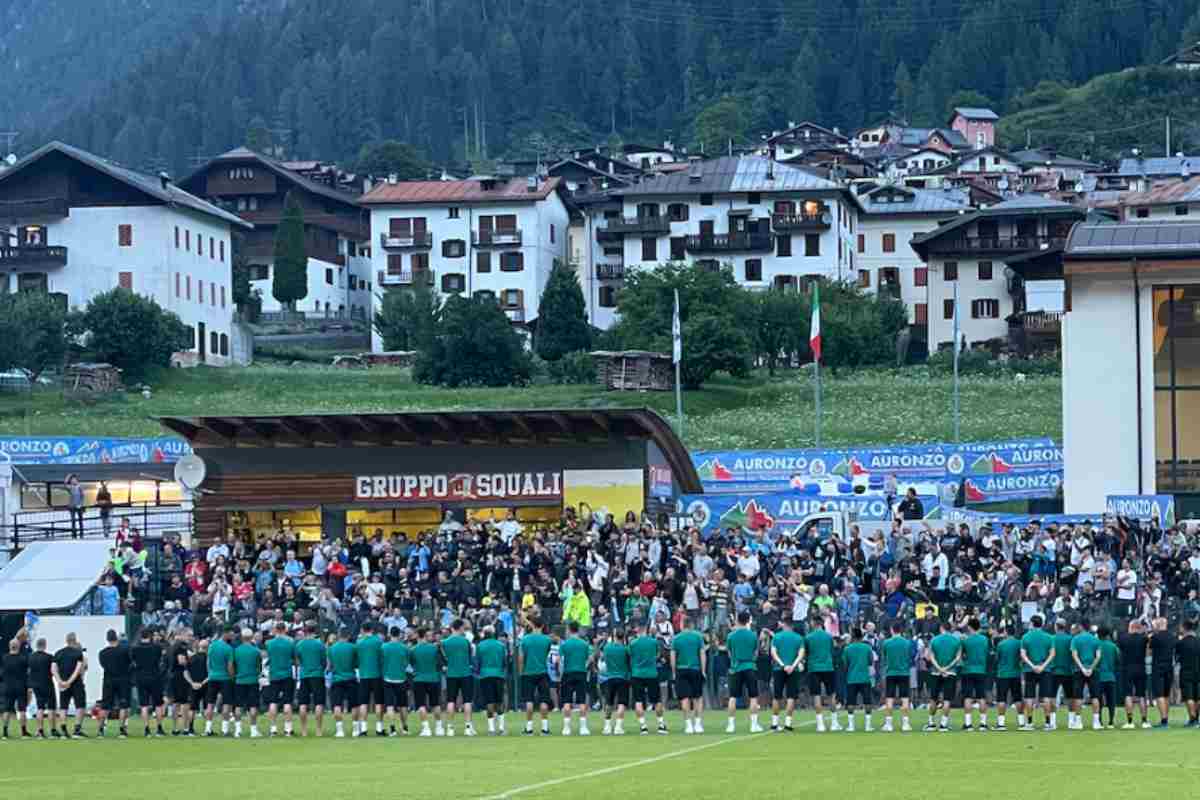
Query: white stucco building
485	235
82	225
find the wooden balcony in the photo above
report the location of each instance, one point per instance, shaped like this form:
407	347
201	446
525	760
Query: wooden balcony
638	225
786	223
1041	323
510	237
406	278
33	257
730	243
41	208
420	240
995	245
610	272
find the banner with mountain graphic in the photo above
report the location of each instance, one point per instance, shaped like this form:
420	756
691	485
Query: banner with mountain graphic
997	487
742	471
1146	507
783	510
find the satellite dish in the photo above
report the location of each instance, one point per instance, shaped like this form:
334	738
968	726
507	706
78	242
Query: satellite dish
10	159
190	472
1003	184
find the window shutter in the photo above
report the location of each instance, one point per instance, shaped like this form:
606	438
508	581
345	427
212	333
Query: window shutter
124	235
125	280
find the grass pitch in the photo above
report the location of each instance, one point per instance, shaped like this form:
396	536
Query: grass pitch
1065	764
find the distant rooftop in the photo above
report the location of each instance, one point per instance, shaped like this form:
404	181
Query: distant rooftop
731	174
979	114
1133	239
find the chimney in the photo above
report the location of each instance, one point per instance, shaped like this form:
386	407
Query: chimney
531	183
393	178
695	171
164	179
668	144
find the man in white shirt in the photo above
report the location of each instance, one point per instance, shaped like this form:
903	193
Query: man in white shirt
936	558
702	564
748	563
217	551
509	528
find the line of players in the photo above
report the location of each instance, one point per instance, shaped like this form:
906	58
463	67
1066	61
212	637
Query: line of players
221	679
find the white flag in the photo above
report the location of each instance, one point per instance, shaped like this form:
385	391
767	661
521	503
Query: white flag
957	332
676	333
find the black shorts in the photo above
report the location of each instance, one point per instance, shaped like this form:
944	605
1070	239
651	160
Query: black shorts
689	684
74	693
150	694
859	694
616	692
743	683
896	687
1161	682
943	687
280	692
395	695
245	696
344	694
1089	682
1039	686
821	684
491	691
460	688
370	691
1135	682
1008	690
786	686
535	689
222	689
16	700
311	692
1067	684
198	696
44	695
179	690
574	688
646	691
974	686
114	696
427	695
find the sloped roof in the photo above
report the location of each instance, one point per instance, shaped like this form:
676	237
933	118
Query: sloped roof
246	154
513	190
1031	202
1037	157
1097	241
827	131
917	137
732	174
920	201
1167	194
171	194
1173	165
984	114
1019	205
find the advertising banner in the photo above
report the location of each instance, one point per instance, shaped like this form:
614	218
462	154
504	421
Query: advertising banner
89	450
600	492
1011	486
459	487
784	510
1142	507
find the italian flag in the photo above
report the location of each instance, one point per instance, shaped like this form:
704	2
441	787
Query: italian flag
814	334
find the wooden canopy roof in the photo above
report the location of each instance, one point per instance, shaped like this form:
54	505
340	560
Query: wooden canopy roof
434	428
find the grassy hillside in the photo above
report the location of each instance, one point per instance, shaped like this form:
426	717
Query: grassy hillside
1086	119
867	407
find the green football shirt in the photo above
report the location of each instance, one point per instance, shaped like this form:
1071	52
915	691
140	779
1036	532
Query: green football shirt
788	645
395	661
493	659
945	648
1063	663
687	646
1110	657
247	660
281	653
219	656
426	663
1036	644
819	645
574	652
1008	658
743	650
975	654
897	657
311	654
369	654
644	653
535	647
857	657
1085	646
616	661
341	661
458	656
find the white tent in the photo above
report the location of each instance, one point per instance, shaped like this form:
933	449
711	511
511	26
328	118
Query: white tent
48	576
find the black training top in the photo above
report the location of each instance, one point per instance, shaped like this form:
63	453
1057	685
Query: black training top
1162	651
1133	651
16	670
114	660
1188	653
198	667
178	649
147	661
68	659
39	670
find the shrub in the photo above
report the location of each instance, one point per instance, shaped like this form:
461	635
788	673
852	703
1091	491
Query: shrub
131	332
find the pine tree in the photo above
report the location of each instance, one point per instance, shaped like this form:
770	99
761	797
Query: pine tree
904	94
291	256
562	325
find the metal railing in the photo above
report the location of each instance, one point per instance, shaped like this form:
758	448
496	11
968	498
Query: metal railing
646	224
729	243
400	241
997	244
496	238
56	524
610	272
33	255
801	222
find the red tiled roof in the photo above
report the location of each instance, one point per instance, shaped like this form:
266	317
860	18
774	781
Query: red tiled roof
512	190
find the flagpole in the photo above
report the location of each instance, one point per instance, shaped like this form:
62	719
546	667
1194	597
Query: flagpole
677	357
957	347
814	342
818	424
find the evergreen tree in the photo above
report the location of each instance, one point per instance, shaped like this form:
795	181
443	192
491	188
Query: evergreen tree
291	256
903	93
562	325
474	344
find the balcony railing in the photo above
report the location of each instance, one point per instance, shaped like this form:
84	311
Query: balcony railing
28	256
637	225
509	236
1047	323
610	272
403	241
407	278
515	314
729	243
46	207
800	222
996	244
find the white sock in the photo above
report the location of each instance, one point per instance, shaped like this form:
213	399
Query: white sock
545	725
491	724
224	727
945	720
287	727
379	726
237	731
661	722
425	725
254	730
774	720
208	726
529	725
642	720
967	719
787	721
500	721
341	727
754	719
1021	720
